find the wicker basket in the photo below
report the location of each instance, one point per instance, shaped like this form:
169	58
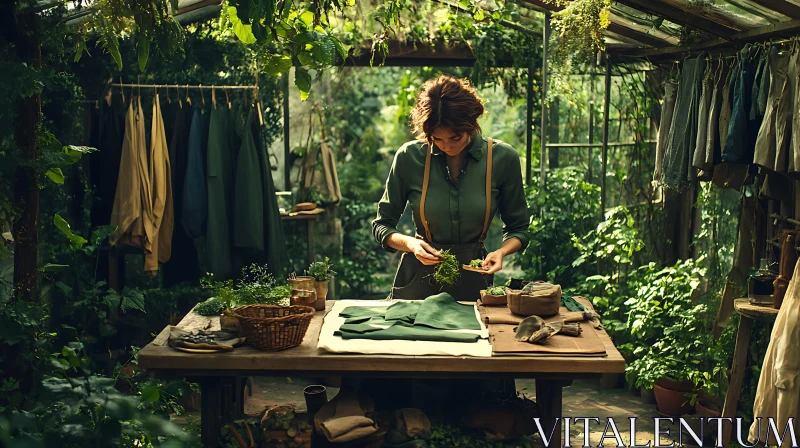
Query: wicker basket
273	327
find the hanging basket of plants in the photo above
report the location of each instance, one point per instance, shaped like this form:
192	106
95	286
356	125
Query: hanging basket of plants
274	327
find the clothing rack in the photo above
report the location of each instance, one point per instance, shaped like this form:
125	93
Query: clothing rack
181	86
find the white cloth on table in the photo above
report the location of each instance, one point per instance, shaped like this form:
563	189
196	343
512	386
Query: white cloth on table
335	344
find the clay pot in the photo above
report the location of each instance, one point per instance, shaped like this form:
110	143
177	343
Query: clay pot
322	293
671	398
708	407
492	300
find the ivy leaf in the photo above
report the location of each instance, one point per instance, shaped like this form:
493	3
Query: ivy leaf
76	241
55	175
278	64
76	152
307	17
150	393
243	31
143	51
303	82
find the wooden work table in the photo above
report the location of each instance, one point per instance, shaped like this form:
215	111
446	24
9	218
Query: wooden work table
221	374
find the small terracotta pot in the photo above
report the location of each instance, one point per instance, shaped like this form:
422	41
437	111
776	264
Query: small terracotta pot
492	300
708	407
672	402
322	293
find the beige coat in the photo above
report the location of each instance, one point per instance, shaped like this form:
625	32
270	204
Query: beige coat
778	393
142	208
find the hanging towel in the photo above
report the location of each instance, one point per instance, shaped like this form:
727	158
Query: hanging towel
713	148
683	132
132	204
772	139
195	201
699	156
159	226
220	193
248	231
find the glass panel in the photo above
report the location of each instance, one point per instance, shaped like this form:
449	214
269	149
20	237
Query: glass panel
647	21
647	28
741	15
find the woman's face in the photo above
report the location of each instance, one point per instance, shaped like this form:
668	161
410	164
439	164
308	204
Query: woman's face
449	141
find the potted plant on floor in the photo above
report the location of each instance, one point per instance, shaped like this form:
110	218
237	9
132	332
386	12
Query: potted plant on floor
322	271
670	327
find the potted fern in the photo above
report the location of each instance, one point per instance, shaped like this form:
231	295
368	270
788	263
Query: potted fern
494	296
322	271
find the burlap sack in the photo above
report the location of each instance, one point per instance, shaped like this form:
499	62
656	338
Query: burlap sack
542	300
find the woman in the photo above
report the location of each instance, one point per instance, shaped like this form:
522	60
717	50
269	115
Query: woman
446	175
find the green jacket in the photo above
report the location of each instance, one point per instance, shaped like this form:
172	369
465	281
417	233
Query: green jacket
455	212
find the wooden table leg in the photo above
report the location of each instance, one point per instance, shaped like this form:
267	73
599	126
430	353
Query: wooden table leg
737	376
210	412
548	399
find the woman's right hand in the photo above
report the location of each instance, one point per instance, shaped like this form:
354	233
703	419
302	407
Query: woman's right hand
426	254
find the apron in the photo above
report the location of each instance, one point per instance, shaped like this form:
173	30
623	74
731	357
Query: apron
414	281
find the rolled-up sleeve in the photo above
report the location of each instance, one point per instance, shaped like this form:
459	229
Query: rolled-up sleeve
513	208
392	204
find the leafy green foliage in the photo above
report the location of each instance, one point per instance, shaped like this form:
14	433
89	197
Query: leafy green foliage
496	290
476	263
210	307
322	271
256	286
448	271
566	207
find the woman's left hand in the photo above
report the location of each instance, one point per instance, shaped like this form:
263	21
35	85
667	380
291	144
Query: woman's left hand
493	262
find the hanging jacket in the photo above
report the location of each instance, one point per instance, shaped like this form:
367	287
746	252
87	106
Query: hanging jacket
132	203
220	193
183	265
195	206
248	232
159	227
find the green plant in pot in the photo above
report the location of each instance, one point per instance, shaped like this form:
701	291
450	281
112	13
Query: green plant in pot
322	271
494	296
670	329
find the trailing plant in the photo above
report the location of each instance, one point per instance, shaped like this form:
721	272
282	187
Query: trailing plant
210	307
496	290
322	271
448	271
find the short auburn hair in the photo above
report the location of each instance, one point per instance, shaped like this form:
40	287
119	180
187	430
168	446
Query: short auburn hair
446	102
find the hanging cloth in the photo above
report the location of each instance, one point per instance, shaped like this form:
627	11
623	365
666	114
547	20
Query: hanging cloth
248	231
667	109
195	201
107	138
183	265
132	204
159	226
220	193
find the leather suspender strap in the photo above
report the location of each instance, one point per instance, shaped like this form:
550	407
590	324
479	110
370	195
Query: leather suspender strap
488	192
425	180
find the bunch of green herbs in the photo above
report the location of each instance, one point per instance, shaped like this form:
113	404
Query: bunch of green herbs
496	290
476	264
448	271
210	307
255	286
322	271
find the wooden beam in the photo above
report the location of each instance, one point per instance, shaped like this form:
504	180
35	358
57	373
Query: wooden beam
644	38
781	6
440	54
782	29
682	16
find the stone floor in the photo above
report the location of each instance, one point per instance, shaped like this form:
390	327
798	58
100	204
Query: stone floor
585	398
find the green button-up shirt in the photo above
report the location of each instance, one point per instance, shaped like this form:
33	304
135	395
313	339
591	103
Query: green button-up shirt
455	211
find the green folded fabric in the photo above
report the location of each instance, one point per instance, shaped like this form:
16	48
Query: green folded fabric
362	325
363	311
406	311
443	312
571	304
404	331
